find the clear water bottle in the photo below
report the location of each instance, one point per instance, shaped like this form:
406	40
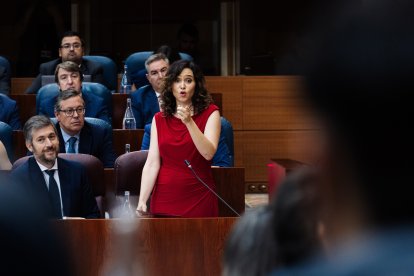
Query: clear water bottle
125	86
127	148
127	211
129	119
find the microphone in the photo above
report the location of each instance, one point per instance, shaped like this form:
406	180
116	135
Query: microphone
208	187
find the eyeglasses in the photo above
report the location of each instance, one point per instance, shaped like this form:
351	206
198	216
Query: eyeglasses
70	112
68	46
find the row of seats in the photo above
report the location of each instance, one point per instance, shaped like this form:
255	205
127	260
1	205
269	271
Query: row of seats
135	63
109	183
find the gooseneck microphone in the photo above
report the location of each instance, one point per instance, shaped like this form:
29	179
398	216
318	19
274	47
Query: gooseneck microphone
208	187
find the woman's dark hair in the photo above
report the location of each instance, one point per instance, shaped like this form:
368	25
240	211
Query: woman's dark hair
201	98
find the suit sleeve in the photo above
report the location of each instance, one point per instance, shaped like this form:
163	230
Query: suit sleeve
14	119
136	104
35	86
147	137
97	75
222	157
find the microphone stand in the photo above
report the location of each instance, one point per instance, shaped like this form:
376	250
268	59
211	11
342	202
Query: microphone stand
208	187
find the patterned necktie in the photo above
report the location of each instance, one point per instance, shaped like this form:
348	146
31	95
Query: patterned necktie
71	148
54	195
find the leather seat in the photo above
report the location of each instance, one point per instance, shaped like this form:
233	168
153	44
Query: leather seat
128	171
52	90
110	71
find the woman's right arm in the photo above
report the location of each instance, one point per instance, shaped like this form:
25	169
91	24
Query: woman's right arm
150	171
4	159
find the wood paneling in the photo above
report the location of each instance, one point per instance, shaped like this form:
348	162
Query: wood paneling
231	89
274	104
258	147
133	137
146	246
19	85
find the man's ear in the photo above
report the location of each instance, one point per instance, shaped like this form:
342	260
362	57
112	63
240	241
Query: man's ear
29	146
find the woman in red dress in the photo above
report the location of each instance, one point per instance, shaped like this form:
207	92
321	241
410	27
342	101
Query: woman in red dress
187	129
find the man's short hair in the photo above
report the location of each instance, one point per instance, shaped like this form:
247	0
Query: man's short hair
34	123
155	57
69	66
66	94
72	33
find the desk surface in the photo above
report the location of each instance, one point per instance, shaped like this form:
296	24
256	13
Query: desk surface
158	246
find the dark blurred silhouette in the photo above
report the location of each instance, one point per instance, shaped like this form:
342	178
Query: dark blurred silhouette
29	245
359	79
285	233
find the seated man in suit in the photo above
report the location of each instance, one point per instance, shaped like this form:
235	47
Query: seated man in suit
71	49
9	112
68	75
144	101
77	136
60	187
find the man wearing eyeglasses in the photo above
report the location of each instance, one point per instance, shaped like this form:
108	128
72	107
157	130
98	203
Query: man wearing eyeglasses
71	49
78	136
144	101
69	76
59	187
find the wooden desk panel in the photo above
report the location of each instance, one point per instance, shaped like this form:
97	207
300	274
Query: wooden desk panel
26	104
127	136
157	246
231	89
19	144
275	104
229	183
19	85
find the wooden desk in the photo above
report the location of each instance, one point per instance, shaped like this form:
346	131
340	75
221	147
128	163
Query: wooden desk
157	246
127	136
26	104
229	185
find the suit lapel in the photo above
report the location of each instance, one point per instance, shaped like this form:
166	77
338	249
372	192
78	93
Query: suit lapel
85	139
61	141
37	178
65	187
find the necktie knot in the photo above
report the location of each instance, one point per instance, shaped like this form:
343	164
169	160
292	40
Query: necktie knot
51	173
72	141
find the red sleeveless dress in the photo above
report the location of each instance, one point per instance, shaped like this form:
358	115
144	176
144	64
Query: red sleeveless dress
177	192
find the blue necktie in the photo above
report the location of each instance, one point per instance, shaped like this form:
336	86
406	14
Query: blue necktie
54	195
71	148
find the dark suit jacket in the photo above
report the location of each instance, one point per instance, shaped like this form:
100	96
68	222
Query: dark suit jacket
94	141
9	112
88	67
94	105
4	80
76	193
144	104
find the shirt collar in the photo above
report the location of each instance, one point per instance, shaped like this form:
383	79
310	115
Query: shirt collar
66	136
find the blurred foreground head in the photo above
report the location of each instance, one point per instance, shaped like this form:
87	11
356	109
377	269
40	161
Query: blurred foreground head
360	81
29	245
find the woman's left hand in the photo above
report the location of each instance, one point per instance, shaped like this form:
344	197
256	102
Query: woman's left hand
184	113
